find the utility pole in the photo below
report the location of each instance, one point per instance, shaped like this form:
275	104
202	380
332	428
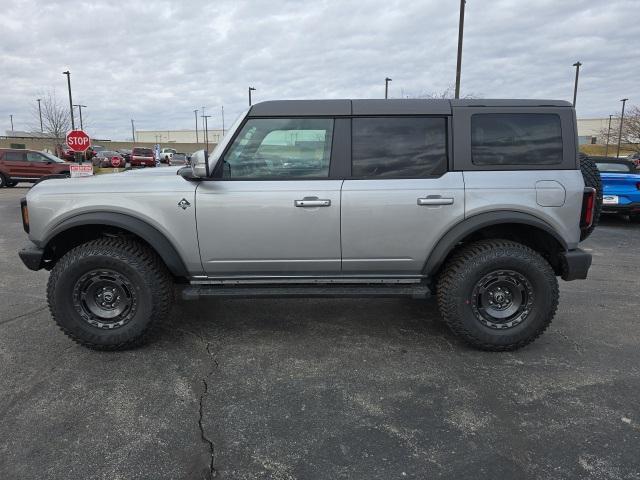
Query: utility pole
606	152
11	117
80	107
386	87
575	85
223	120
195	113
40	113
624	100
68	74
202	120
206	131
459	62
133	131
251	89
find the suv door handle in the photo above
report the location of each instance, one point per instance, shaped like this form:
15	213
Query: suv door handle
435	201
312	202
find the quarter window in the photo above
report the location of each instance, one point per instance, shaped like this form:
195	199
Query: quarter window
516	139
281	148
407	147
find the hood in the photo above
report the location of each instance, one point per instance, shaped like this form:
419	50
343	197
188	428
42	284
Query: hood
158	179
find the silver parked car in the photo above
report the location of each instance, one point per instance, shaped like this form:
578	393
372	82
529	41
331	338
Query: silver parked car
481	203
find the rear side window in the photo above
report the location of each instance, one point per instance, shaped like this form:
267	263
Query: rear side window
14	156
399	147
607	167
516	139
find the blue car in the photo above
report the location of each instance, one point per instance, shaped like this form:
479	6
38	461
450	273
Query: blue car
620	186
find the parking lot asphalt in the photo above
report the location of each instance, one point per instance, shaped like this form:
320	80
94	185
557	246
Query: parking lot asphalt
323	388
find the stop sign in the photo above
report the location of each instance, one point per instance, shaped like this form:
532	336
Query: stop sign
78	141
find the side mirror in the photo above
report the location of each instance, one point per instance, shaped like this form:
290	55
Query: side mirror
199	164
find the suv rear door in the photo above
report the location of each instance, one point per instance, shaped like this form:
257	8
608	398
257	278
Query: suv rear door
401	196
15	164
275	211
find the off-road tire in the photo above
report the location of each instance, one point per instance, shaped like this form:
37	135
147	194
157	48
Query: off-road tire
591	176
473	262
149	280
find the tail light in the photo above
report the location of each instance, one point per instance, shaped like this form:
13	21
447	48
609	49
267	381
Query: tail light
588	208
25	214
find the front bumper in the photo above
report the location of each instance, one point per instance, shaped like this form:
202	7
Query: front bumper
31	256
575	264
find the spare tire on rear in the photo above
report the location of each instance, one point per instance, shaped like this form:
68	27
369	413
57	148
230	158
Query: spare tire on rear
591	177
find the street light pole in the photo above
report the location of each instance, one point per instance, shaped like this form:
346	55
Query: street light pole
575	85
251	89
68	74
223	120
133	131
459	61
40	113
206	130
386	87
195	113
80	107
624	100
606	151
11	117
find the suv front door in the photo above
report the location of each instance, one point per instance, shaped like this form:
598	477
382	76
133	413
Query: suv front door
400	198
275	211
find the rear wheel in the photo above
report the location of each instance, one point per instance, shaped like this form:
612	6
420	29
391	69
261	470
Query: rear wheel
3	181
11	183
109	294
497	295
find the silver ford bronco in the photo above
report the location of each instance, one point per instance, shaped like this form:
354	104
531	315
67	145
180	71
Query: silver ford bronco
481	203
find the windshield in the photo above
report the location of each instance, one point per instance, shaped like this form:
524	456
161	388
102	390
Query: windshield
614	167
220	147
144	152
108	153
53	158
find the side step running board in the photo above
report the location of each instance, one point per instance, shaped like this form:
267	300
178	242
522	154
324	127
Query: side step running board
194	292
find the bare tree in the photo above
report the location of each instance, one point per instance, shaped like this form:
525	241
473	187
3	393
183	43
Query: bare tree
630	131
56	121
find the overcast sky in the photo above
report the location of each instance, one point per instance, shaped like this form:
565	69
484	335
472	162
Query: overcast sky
156	61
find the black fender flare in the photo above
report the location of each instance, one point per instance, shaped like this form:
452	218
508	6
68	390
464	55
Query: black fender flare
141	228
477	222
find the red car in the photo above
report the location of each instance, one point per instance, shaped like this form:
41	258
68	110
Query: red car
28	166
142	157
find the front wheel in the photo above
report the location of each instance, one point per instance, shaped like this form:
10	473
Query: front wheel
497	295
109	294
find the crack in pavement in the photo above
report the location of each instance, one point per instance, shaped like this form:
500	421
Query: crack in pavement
205	439
17	317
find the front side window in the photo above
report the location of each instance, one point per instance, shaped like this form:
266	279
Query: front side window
35	157
516	139
281	148
400	147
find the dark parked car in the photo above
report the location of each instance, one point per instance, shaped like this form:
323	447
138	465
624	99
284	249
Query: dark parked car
142	157
108	159
28	166
125	153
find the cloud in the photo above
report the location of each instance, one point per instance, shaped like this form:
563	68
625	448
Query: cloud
156	61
